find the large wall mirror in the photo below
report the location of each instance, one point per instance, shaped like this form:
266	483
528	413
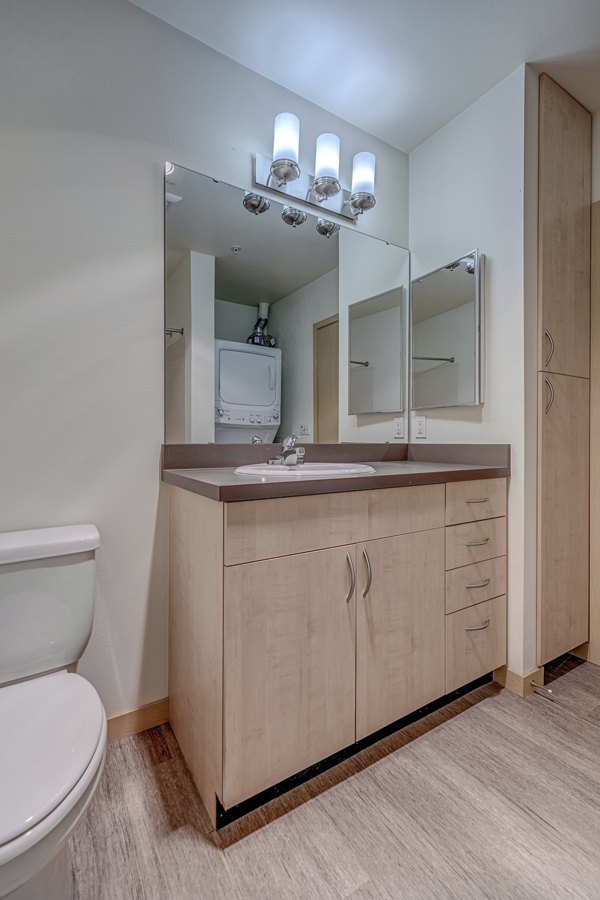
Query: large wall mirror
262	304
446	335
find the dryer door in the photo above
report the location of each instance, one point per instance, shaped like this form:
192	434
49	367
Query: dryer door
247	378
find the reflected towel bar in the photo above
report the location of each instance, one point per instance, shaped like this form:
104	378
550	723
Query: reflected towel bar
173	330
356	362
449	359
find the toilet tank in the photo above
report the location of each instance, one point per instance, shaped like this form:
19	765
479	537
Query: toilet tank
47	579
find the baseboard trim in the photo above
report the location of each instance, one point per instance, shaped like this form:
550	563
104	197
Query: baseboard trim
139	719
519	684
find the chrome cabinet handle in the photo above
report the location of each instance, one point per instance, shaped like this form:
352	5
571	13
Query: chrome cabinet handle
551	348
550	387
369	572
479	584
352	578
485	625
477	543
478	500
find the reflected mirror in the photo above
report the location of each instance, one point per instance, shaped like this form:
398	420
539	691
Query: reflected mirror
446	339
376	365
257	324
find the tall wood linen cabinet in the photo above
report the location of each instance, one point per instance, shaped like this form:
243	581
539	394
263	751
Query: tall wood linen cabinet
565	145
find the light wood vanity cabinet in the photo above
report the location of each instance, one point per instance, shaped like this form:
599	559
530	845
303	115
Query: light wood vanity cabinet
301	625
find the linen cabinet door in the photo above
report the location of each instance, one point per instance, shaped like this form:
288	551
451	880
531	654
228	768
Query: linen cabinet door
563	514
400	628
289	678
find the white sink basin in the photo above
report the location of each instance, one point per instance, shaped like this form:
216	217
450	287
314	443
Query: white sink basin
307	470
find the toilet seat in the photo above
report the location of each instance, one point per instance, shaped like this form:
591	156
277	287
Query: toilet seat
52	728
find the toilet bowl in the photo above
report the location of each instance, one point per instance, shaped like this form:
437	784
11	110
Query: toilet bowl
53	741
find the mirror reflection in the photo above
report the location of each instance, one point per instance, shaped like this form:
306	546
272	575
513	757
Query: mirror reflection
256	315
446	335
376	365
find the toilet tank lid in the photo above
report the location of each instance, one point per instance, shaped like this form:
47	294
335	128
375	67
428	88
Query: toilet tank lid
42	543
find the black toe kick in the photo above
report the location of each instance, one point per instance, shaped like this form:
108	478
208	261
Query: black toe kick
227	816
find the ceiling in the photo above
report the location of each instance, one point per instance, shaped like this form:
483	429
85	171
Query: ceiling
399	69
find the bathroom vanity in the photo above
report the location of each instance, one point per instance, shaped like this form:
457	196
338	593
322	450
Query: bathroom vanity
307	616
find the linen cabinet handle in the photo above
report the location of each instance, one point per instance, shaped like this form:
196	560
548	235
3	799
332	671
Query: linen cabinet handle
550	387
485	625
478	500
550	348
477	543
479	584
369	573
352	578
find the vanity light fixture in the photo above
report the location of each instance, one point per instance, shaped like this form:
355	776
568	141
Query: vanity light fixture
362	195
286	143
282	173
326	228
256	204
327	167
292	216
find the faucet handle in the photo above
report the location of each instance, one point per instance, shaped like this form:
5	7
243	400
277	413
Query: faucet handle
289	442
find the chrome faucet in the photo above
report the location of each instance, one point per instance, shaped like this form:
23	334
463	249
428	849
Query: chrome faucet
290	454
255	439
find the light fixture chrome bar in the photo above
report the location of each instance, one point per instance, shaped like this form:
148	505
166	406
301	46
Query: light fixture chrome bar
449	359
356	362
173	330
302	189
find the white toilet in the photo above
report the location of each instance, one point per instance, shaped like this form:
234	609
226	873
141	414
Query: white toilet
52	722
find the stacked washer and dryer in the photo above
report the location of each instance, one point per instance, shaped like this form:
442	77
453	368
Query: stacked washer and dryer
247	392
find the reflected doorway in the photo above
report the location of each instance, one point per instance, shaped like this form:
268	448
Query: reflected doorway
326	380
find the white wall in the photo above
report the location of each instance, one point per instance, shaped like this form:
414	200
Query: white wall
234	321
467	187
291	323
95	95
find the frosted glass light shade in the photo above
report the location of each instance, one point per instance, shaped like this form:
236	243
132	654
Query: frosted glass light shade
363	173
286	137
327	157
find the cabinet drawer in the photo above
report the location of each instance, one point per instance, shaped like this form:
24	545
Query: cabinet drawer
474	542
405	510
469	501
475	642
473	584
265	529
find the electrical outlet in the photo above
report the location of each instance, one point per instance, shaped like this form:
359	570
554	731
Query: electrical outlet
398	429
421	427
304	430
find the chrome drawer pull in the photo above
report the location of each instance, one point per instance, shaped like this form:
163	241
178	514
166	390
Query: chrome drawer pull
369	573
478	500
551	348
485	625
477	543
479	584
352	578
550	401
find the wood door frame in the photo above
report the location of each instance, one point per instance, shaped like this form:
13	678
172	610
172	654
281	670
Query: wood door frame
330	320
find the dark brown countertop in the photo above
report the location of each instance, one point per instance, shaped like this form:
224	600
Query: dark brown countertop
223	485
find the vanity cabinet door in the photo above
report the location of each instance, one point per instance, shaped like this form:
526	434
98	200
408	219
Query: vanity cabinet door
563	514
400	630
289	689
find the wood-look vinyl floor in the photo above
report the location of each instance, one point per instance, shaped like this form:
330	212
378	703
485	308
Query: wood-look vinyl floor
501	800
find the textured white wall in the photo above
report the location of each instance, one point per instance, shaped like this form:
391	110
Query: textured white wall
291	323
467	186
95	95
